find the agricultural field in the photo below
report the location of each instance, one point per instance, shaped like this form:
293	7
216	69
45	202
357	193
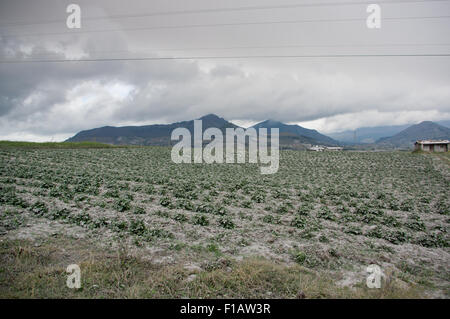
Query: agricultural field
141	226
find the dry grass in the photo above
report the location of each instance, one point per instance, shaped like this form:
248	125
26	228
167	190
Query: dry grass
30	271
444	156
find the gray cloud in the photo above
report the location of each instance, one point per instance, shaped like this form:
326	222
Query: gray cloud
40	100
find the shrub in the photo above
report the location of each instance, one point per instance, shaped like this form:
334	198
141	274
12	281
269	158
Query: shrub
397	237
39	209
271	219
81	219
159	233
221	211
200	220
137	227
180	218
300	257
416	225
122	204
353	230
164	201
298	222
59	214
226	223
139	210
325	213
433	240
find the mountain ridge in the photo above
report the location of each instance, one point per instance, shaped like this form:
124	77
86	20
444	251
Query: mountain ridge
368	135
421	131
310	136
159	134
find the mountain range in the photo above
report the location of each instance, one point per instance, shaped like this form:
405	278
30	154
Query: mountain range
157	134
369	135
295	134
291	136
421	131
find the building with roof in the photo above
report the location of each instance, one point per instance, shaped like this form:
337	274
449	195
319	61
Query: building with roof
432	145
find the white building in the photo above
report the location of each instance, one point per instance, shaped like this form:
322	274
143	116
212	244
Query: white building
317	148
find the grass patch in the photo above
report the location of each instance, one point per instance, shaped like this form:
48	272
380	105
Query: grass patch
27	271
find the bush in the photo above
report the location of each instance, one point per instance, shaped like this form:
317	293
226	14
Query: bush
122	205
82	219
139	211
180	218
271	219
200	220
433	241
59	214
326	213
298	222
416	225
300	257
164	201
39	209
226	223
137	227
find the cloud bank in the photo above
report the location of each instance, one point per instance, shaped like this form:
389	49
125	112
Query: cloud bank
52	101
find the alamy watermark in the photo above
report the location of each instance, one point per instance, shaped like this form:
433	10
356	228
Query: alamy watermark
234	151
74	18
374	19
74	277
373	280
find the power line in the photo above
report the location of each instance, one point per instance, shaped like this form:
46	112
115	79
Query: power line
225	57
209	25
231	9
50	54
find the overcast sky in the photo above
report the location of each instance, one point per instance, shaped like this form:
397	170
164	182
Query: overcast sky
53	101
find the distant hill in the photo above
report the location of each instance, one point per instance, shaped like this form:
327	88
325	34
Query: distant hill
292	134
421	131
52	145
368	135
159	134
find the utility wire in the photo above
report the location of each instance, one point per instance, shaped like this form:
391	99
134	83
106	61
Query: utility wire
52	54
186	26
230	9
225	57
